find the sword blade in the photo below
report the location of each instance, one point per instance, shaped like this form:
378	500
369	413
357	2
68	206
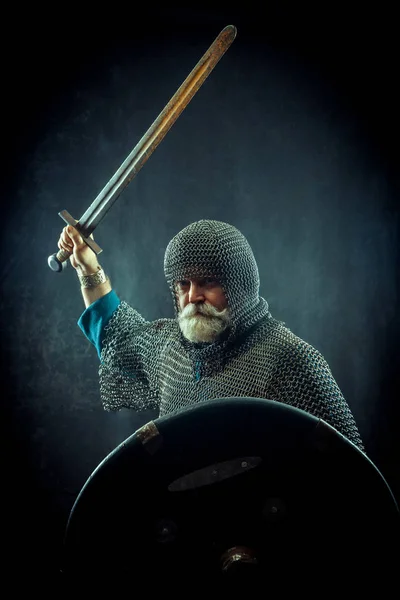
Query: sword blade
151	139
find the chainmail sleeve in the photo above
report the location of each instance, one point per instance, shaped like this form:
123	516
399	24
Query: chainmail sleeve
305	381
129	367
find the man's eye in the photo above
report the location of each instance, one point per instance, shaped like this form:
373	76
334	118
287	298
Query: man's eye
209	280
183	283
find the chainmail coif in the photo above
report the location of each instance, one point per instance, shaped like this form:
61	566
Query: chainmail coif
151	365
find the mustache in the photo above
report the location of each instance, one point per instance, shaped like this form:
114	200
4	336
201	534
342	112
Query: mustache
207	310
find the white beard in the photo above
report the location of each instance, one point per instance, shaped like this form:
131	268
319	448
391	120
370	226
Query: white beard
203	322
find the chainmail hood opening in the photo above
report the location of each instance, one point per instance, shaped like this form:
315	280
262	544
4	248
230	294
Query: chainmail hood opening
210	248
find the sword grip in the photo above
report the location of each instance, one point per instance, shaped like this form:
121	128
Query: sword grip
59	261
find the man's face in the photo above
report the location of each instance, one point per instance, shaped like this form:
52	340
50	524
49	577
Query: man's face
203	309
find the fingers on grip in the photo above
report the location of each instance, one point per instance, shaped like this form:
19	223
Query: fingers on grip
73	234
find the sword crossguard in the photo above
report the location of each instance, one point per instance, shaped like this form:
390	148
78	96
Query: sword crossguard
59	261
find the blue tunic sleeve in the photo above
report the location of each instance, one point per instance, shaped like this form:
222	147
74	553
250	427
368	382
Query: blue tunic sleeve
94	319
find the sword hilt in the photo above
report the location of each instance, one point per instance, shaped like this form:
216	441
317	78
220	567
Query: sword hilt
59	261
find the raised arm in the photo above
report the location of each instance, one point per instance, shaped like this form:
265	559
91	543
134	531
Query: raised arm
94	282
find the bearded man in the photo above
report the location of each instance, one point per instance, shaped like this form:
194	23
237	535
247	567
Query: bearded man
223	342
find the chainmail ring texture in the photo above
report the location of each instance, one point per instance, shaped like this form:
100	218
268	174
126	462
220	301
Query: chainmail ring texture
149	364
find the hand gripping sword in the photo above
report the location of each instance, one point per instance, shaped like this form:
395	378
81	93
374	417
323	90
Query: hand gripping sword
144	149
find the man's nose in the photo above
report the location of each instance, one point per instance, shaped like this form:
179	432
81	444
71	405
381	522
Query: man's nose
196	293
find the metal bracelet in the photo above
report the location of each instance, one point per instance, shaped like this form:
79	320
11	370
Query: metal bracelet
91	281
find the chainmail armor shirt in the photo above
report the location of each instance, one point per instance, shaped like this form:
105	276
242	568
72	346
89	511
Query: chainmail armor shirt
149	364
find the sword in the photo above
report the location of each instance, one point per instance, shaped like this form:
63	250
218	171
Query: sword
143	149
